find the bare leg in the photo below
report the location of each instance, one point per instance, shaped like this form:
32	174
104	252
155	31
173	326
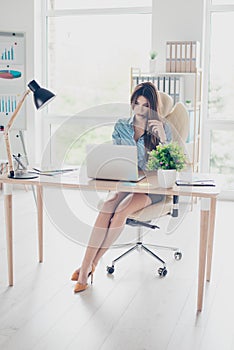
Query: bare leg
129	205
103	237
100	230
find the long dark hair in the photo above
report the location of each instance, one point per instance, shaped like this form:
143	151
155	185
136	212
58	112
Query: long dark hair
149	91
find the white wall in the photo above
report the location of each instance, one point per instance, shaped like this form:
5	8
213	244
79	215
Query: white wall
175	20
18	16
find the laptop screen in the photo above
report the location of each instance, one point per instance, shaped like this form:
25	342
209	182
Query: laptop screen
112	162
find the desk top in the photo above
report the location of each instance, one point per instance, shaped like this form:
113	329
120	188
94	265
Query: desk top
75	180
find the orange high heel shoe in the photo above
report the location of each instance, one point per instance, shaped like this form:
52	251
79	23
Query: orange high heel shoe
79	287
75	275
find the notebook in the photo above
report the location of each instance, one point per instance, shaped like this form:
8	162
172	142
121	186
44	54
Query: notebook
112	162
195	183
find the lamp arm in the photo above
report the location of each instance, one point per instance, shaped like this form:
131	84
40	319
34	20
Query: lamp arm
6	133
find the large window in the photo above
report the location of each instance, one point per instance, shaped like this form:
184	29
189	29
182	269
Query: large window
221	98
90	49
89	58
219	119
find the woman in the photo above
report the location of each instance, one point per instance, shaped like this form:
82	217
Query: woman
144	130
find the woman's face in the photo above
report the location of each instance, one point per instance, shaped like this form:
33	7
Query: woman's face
141	107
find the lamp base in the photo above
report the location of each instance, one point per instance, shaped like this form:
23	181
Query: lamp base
25	175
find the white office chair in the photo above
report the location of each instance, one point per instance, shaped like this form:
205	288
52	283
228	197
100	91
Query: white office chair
178	118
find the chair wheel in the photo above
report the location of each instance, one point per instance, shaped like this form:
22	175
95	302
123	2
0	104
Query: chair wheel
110	269
178	255
162	271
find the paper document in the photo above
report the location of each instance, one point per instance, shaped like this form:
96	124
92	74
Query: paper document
53	172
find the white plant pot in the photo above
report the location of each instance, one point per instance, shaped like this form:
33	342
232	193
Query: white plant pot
166	178
152	65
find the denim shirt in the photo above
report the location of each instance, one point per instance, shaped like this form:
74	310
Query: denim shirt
123	134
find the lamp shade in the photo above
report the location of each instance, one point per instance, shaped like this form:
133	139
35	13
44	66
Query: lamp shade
41	96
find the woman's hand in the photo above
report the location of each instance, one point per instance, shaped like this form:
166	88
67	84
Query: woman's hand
157	129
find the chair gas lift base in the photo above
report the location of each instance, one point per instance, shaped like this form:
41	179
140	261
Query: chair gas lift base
162	271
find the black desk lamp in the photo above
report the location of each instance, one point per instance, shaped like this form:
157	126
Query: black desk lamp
41	98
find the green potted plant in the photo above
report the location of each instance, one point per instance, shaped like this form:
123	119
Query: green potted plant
153	55
188	103
167	160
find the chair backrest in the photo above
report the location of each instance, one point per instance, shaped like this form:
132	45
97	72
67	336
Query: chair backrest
177	117
166	104
179	121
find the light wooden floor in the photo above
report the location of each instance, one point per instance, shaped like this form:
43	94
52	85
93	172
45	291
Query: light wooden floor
133	309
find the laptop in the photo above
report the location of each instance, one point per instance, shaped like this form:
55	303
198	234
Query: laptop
112	162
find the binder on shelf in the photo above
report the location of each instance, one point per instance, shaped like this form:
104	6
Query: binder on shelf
168	56
159	83
195	56
178	56
182	56
167	85
177	89
188	56
173	57
162	85
172	84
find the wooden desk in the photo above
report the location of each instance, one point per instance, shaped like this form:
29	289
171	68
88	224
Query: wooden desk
208	197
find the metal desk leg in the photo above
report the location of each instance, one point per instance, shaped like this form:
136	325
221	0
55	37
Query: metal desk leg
8	217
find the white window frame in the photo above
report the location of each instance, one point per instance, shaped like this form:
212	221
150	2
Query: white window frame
48	118
208	123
